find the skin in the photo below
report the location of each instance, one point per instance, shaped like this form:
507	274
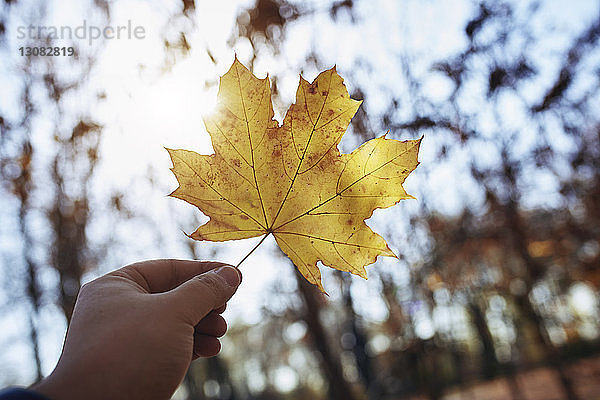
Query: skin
135	331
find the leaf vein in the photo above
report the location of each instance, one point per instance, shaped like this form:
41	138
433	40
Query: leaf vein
217	192
305	148
262	206
339	193
328	240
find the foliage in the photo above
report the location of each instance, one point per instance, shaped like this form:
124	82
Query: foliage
291	181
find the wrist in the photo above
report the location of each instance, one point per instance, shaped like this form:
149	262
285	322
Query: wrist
52	388
46	389
55	387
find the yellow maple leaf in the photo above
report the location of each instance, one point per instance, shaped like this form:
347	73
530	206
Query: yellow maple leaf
291	181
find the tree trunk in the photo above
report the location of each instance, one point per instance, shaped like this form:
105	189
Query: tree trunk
536	270
22	188
332	368
359	349
489	362
550	352
194	388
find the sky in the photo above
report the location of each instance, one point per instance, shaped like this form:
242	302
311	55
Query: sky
147	109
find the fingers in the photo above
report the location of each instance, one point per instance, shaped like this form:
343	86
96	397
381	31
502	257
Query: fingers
162	275
206	346
197	297
221	310
206	333
213	325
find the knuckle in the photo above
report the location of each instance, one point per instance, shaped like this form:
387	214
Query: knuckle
88	288
221	327
214	286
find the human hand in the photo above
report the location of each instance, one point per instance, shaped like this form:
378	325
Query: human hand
135	330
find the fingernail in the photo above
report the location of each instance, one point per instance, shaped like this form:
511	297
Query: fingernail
230	274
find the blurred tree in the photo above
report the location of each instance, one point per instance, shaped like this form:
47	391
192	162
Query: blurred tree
65	248
338	387
49	149
357	337
492	245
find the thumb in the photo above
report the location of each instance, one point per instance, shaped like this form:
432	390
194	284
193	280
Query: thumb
198	296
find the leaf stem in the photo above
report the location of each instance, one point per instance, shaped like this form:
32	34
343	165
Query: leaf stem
252	251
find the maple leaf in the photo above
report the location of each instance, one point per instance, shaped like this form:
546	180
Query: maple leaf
291	180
